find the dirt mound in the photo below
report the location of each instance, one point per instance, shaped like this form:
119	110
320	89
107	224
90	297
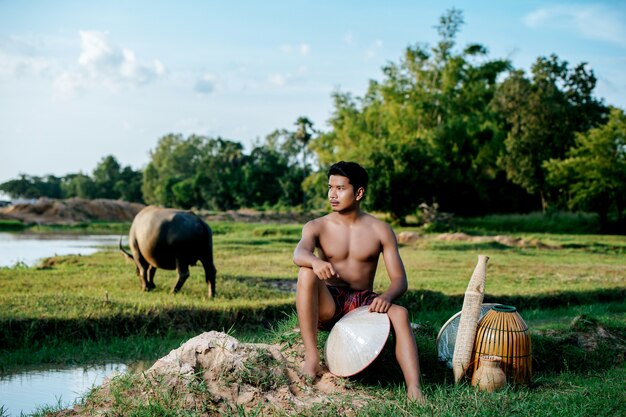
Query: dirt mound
258	216
586	345
217	374
407	238
501	239
71	211
77	210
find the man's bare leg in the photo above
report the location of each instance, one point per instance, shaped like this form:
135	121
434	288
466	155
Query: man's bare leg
406	351
313	303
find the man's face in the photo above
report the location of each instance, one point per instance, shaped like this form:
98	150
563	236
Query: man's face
341	193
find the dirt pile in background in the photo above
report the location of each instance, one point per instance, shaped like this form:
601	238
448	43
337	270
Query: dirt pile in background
71	211
47	211
501	239
258	216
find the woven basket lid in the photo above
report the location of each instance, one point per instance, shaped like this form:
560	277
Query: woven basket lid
356	340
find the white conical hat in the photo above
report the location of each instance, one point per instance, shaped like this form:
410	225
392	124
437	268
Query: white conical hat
356	340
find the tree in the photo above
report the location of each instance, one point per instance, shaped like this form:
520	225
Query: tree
424	132
593	175
262	173
27	186
79	185
105	176
194	172
219	175
174	160
128	186
293	149
542	115
303	136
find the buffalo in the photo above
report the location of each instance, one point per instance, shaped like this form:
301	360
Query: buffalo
170	239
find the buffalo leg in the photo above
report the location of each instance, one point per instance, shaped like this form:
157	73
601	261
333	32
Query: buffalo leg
182	270
150	281
210	272
142	270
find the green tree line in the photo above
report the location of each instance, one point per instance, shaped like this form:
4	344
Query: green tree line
445	124
108	180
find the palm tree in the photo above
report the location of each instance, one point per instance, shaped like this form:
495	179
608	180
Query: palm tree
303	135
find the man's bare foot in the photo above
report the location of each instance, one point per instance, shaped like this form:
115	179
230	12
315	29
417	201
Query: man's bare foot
311	366
414	393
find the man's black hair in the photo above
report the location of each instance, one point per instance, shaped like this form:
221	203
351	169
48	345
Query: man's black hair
354	172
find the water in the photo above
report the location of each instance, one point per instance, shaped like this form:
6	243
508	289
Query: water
26	391
29	248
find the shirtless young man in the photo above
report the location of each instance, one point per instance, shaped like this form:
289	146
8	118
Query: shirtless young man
341	277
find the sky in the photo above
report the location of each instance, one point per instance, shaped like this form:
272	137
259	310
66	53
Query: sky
80	80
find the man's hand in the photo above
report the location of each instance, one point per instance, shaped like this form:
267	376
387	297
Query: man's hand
324	270
380	304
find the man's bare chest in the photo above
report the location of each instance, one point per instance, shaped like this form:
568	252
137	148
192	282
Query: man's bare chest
357	245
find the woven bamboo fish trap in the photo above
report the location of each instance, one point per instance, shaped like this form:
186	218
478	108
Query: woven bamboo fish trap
502	332
470	313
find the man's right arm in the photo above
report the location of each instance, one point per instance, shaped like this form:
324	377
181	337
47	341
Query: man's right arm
304	255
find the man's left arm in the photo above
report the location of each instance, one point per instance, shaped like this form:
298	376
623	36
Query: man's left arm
395	269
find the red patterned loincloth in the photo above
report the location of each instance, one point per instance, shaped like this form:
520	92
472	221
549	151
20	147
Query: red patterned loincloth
346	300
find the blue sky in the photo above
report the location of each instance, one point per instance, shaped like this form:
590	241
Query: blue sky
80	80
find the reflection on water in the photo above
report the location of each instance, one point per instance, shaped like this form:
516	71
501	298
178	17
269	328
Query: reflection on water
29	248
26	391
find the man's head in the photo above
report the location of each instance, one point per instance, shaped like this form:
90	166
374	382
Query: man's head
354	172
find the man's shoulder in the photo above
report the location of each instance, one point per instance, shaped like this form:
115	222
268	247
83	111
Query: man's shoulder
380	227
374	221
316	223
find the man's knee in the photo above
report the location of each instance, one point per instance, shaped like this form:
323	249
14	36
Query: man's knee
398	314
306	277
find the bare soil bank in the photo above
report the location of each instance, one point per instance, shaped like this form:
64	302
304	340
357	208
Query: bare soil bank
72	211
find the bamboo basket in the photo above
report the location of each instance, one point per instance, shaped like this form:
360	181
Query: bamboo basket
502	332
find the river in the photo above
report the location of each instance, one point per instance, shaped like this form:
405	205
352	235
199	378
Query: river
29	248
23	392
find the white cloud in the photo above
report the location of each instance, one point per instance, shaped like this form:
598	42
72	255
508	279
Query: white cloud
96	52
102	63
12	65
348	39
112	64
159	68
68	84
279	79
206	84
590	21
19	57
304	48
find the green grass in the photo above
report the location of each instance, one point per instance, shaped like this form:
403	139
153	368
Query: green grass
94	227
11	225
552	222
89	309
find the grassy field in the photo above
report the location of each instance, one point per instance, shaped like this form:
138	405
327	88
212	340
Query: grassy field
89	309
